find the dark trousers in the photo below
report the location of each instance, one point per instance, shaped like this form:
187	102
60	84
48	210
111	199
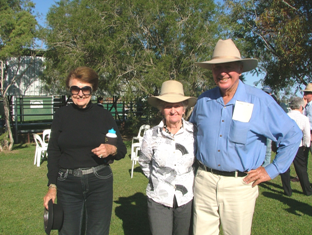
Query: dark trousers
88	196
169	221
300	164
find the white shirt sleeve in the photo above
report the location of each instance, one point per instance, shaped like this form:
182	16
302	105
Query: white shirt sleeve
306	139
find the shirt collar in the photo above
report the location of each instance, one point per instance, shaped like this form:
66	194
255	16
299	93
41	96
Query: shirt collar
295	111
240	94
185	125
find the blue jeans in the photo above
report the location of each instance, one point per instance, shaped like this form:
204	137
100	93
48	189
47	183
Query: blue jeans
268	153
90	194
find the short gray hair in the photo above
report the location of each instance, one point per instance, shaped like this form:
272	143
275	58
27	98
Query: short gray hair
296	103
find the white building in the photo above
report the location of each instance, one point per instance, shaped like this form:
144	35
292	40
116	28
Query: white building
29	83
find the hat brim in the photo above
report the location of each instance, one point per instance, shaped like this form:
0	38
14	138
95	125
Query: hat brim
155	100
248	64
48	217
53	217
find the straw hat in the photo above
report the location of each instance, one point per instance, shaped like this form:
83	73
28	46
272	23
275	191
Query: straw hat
171	92
308	88
225	52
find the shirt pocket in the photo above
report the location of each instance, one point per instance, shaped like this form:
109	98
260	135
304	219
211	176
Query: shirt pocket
238	132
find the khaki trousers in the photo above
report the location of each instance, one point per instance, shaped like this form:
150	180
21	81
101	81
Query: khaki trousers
221	199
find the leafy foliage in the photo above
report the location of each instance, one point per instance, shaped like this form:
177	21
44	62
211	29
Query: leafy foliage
17	27
279	34
134	45
17	34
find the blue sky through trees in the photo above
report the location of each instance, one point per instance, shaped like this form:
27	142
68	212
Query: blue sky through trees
42	8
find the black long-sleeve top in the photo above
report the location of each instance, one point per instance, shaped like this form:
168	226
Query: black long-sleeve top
74	133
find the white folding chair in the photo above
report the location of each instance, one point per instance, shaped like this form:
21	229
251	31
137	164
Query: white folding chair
139	137
136	146
41	149
46	136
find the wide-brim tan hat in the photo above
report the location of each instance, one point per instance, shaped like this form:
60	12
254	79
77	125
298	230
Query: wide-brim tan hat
308	88
226	52
171	92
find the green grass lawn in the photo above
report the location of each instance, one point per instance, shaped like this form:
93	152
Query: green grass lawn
23	185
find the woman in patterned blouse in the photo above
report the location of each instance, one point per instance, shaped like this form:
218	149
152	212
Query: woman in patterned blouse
167	157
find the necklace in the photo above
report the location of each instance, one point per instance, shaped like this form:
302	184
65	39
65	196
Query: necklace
166	129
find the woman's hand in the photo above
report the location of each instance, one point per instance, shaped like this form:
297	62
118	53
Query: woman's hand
51	194
104	150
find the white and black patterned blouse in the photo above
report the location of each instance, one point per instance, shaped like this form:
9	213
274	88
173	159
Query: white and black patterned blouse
166	160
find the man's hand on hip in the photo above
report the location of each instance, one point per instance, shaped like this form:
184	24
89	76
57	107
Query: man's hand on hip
257	176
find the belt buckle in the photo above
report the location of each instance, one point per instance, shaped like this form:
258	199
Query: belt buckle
77	172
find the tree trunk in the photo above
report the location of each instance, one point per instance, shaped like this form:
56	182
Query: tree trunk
6	107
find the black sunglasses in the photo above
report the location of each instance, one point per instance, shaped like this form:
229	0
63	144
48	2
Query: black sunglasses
86	90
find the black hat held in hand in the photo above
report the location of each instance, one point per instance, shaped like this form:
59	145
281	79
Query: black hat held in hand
53	217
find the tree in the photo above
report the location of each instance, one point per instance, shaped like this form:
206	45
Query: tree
279	34
17	33
134	45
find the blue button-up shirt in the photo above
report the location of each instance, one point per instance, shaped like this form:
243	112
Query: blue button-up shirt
308	112
229	145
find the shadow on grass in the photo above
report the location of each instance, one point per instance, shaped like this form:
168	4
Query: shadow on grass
271	186
136	169
267	185
133	213
295	206
21	146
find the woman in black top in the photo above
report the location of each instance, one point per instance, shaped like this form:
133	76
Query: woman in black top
78	158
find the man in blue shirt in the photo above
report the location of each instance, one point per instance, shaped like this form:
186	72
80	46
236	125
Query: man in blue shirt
233	122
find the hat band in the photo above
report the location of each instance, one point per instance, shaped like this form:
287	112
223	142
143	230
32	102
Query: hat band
171	93
226	57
